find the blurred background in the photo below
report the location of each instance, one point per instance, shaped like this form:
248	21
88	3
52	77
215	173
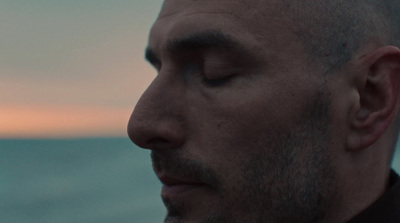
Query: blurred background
71	72
72	68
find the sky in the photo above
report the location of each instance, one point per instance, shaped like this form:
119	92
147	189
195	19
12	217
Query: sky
72	68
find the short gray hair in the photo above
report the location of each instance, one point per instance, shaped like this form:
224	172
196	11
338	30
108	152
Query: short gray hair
333	30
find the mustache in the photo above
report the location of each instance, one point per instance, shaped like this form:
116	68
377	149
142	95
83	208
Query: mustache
174	164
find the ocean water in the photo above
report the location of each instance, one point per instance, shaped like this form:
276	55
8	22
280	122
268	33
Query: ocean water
80	181
77	181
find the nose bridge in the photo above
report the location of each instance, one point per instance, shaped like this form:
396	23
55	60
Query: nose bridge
156	121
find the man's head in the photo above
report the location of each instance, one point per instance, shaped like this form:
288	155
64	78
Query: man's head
270	111
333	31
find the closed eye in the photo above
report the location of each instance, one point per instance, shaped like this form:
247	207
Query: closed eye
212	83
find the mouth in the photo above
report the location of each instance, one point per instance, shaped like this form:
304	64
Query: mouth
174	187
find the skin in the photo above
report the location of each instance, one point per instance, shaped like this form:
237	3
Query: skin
255	132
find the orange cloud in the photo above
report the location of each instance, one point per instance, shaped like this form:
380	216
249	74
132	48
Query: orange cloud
49	121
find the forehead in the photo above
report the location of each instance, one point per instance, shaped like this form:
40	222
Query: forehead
238	7
251	21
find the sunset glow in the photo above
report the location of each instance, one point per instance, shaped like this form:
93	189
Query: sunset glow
72	68
62	121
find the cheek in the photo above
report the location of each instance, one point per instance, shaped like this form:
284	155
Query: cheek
233	124
231	128
226	139
242	124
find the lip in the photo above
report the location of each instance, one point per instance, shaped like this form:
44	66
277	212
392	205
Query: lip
173	187
179	189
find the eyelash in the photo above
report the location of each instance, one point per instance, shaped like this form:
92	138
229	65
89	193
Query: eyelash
212	83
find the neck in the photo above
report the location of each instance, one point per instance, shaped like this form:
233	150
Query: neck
362	178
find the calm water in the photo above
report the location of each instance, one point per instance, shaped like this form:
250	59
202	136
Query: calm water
79	181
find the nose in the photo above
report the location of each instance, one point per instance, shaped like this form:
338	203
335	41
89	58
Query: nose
156	122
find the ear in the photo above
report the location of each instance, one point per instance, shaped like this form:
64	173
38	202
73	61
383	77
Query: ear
379	97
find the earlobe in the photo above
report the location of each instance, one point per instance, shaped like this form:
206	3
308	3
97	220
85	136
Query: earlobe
379	98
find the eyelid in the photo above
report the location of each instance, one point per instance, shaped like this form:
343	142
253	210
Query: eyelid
221	71
217	82
215	69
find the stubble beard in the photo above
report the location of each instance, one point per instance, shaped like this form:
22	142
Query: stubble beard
290	181
294	181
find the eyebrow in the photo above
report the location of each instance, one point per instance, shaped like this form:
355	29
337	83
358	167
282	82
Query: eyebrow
205	39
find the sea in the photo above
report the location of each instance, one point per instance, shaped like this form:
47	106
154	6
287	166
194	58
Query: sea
94	180
101	180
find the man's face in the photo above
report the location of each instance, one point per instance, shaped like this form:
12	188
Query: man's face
238	119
